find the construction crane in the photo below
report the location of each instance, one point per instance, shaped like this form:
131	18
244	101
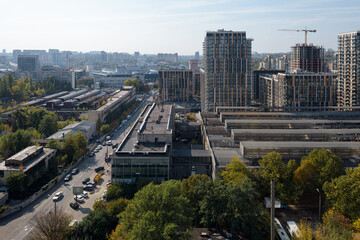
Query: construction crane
301	30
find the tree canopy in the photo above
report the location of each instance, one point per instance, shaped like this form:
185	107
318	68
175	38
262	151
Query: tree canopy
156	212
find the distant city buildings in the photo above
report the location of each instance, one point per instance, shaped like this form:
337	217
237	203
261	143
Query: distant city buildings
168	57
226	79
194	65
348	59
28	63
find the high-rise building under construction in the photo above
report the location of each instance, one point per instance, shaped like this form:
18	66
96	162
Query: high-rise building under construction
307	58
226	77
348	59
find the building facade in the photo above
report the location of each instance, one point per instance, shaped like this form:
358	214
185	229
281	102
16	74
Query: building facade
299	91
348	59
307	58
28	63
227	68
175	85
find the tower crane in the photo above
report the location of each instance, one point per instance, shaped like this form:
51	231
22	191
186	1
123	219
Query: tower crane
301	30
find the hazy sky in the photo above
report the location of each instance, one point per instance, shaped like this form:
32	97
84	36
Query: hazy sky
152	26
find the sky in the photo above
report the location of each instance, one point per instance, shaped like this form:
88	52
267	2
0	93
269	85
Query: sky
169	26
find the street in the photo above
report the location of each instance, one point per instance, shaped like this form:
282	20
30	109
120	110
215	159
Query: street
20	224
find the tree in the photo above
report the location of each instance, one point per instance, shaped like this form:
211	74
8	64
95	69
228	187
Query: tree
12	143
323	165
50	226
195	188
235	171
235	206
156	212
342	193
117	206
105	129
273	167
133	82
16	183
114	192
97	224
48	125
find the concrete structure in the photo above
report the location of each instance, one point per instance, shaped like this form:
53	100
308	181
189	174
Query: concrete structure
28	63
227	70
296	150
307	58
298	90
85	127
112	104
348	58
175	85
29	161
145	151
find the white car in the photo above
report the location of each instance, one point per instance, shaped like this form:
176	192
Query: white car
104	194
58	196
79	198
99	147
85	195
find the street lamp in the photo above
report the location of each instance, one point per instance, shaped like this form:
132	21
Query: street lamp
319	204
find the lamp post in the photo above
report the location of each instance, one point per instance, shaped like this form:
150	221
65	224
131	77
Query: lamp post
319	204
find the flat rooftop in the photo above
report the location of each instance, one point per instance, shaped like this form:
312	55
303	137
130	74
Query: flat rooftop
224	156
157	120
339	131
290	121
299	144
22	155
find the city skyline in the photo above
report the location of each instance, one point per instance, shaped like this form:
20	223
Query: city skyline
171	26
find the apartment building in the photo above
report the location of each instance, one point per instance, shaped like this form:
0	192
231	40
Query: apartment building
299	90
307	57
175	85
28	63
348	59
227	69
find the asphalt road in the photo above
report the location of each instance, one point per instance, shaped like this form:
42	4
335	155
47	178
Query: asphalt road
20	224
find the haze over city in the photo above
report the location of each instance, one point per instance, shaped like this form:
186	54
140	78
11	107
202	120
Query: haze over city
170	26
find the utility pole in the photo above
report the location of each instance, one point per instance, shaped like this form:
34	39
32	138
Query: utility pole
272	210
319	204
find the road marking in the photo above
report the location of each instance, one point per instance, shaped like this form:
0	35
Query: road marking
29	230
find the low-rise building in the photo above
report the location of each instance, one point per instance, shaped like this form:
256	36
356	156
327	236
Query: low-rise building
87	128
29	161
146	150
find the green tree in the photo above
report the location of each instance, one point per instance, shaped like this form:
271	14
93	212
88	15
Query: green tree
117	206
342	193
16	183
235	171
156	212
235	206
12	143
195	188
105	129
273	167
323	165
48	125
114	192
97	224
133	82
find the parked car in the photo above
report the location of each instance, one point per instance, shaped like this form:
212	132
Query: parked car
85	195
96	150
88	188
98	169
91	183
85	180
99	147
74	171
108	137
67	178
79	198
109	143
98	140
74	205
91	154
104	143
104	194
108	183
58	196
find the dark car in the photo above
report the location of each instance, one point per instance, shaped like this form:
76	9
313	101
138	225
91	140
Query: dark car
98	169
91	183
88	188
68	178
85	180
75	171
74	205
